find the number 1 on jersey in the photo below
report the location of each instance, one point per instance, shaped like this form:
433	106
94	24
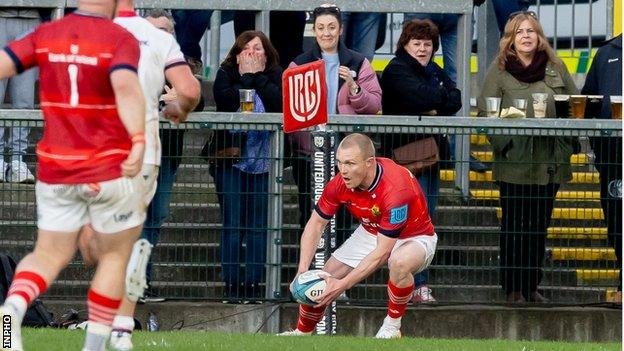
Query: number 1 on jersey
73	79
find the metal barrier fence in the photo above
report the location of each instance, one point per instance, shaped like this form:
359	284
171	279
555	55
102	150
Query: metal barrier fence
579	265
461	7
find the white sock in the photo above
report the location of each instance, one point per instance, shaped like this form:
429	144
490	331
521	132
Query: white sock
97	336
123	322
393	321
17	305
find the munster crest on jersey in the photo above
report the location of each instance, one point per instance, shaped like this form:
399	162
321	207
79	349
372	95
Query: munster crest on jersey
375	210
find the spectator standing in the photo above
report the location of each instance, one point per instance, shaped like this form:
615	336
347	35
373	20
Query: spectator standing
352	88
504	8
360	32
605	78
15	24
414	85
447	27
528	170
240	163
190	26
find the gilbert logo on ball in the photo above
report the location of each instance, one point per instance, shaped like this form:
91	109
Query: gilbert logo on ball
305	96
308	286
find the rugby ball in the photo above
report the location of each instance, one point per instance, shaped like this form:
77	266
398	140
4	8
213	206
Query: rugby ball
308	286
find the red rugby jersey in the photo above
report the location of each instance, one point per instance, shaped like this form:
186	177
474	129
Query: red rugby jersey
394	205
84	139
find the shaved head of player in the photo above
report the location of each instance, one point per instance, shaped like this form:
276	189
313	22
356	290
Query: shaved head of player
356	161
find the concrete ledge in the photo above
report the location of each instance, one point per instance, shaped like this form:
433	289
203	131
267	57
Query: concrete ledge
581	324
588	324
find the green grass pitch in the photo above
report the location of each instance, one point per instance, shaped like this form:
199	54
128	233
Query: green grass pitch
64	340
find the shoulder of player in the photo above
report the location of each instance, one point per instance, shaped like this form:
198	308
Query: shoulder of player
394	176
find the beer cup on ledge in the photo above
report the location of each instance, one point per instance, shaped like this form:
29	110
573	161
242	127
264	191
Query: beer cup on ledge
492	106
616	106
562	105
578	103
594	106
540	101
247	100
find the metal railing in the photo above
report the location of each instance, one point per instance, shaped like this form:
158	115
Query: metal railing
579	266
464	40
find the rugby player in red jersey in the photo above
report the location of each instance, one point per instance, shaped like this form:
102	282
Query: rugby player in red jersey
92	149
394	226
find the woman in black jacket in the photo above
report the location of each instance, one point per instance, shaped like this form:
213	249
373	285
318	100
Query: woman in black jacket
414	85
240	162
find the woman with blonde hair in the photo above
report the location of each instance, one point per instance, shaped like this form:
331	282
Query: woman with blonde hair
528	169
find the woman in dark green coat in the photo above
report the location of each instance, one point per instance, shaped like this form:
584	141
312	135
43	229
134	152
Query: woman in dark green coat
528	169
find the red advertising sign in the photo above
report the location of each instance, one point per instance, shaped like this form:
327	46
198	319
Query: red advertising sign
305	96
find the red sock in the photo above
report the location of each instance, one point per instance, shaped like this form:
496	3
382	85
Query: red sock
398	299
28	285
102	309
309	317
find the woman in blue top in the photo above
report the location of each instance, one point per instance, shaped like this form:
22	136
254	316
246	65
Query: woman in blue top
240	162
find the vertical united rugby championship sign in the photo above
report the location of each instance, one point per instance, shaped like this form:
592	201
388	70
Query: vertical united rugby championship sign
305	96
305	105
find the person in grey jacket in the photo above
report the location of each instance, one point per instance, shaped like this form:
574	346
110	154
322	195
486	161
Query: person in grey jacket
605	78
528	169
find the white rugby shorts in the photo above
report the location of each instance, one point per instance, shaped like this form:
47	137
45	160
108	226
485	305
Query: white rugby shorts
149	173
361	243
110	206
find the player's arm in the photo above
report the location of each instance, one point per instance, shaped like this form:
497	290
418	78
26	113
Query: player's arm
7	66
131	110
367	266
187	90
309	240
324	210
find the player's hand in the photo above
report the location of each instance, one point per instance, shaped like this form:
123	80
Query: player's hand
333	289
131	166
170	95
174	113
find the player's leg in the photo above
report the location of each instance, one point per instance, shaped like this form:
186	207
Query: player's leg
107	287
116	215
343	260
60	215
136	274
408	257
34	274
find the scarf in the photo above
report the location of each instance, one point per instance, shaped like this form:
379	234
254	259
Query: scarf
532	73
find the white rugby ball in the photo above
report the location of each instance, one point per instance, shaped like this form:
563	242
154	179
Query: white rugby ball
308	286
